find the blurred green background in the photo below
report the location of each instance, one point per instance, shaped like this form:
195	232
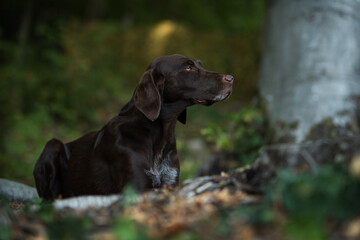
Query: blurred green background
67	67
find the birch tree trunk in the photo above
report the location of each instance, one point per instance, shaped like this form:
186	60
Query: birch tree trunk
310	73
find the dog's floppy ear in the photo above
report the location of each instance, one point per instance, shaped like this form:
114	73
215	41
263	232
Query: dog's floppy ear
147	98
182	117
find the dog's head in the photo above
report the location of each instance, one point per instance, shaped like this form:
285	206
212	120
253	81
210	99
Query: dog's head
174	78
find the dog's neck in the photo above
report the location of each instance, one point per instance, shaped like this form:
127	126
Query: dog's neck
170	111
168	117
163	128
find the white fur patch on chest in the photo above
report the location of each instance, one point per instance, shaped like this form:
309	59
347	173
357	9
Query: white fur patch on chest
162	174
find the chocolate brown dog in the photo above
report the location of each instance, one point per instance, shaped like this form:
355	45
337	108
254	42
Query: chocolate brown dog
137	146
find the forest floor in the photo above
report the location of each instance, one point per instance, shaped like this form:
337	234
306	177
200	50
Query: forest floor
298	196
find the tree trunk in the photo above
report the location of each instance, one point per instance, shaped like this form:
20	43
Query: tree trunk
310	73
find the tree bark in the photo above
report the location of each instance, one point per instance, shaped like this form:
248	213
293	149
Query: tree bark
310	73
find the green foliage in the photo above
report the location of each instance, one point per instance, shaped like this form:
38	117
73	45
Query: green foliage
308	202
128	230
189	168
329	194
243	135
305	227
186	235
71	228
5	232
240	15
257	214
5	211
130	196
60	226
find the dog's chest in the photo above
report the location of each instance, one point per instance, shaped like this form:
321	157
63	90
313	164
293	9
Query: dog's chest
162	173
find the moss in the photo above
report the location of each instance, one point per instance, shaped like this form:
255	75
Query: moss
281	132
327	129
356	101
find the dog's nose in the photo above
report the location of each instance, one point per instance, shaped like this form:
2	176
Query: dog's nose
229	78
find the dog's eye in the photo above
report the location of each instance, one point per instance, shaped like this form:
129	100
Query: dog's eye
188	68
